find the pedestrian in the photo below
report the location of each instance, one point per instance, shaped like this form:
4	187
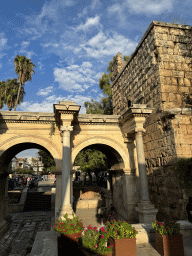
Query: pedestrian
23	181
101	211
112	213
189	209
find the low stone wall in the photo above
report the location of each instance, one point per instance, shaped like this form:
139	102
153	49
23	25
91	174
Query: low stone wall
89	203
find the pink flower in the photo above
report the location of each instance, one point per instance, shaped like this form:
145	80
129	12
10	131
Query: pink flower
108	246
76	237
54	226
114	220
73	228
63	226
102	229
96	246
71	224
116	234
102	236
112	245
164	229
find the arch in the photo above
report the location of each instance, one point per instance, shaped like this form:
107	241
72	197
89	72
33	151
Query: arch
43	142
101	140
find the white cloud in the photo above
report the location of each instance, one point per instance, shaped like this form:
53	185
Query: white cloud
3	45
117	10
45	91
47	104
104	44
83	13
89	23
75	77
27	53
25	44
40	65
150	6
96	4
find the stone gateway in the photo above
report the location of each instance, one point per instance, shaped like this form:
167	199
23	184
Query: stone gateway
151	127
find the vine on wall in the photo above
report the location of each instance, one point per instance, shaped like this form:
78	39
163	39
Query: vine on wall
52	129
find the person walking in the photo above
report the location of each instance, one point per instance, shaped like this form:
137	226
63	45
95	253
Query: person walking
112	213
101	211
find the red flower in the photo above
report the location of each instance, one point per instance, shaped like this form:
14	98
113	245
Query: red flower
112	245
108	246
65	230
73	228
116	234
71	224
102	236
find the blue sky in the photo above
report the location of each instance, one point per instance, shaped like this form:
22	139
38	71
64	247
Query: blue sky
71	43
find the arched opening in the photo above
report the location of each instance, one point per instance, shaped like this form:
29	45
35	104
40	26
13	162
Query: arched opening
98	192
18	194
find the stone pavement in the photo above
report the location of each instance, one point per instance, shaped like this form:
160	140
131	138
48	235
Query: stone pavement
19	238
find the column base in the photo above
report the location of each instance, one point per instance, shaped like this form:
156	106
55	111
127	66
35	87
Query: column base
65	209
146	211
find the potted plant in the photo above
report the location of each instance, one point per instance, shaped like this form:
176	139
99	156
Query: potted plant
168	239
95	242
69	228
123	236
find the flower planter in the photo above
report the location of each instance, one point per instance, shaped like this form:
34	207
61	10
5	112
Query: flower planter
66	242
169	245
123	247
90	253
70	237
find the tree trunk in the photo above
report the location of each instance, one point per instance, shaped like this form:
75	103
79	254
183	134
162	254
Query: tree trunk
17	97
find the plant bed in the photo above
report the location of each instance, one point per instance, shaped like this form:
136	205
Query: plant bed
168	239
169	245
124	246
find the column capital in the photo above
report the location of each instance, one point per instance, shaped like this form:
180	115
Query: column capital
138	129
66	128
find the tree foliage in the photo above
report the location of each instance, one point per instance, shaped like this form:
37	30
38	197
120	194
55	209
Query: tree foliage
105	106
23	68
8	93
91	160
23	171
47	160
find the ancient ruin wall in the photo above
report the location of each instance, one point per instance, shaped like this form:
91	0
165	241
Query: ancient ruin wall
159	74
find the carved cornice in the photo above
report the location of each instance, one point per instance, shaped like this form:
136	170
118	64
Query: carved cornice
26	121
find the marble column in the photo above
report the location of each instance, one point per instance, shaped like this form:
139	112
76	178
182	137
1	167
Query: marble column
147	212
71	184
65	180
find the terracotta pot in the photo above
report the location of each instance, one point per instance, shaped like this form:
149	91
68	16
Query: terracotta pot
169	245
71	237
66	242
124	246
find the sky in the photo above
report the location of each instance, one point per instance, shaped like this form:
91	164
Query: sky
71	42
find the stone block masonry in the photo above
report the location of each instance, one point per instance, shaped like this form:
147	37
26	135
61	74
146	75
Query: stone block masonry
159	74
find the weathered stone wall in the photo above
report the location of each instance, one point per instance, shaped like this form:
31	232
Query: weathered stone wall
159	74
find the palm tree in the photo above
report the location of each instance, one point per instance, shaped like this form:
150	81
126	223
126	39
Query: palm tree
11	93
2	93
23	68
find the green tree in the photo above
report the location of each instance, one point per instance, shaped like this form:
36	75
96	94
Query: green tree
47	160
23	68
3	88
105	106
91	160
23	171
12	87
